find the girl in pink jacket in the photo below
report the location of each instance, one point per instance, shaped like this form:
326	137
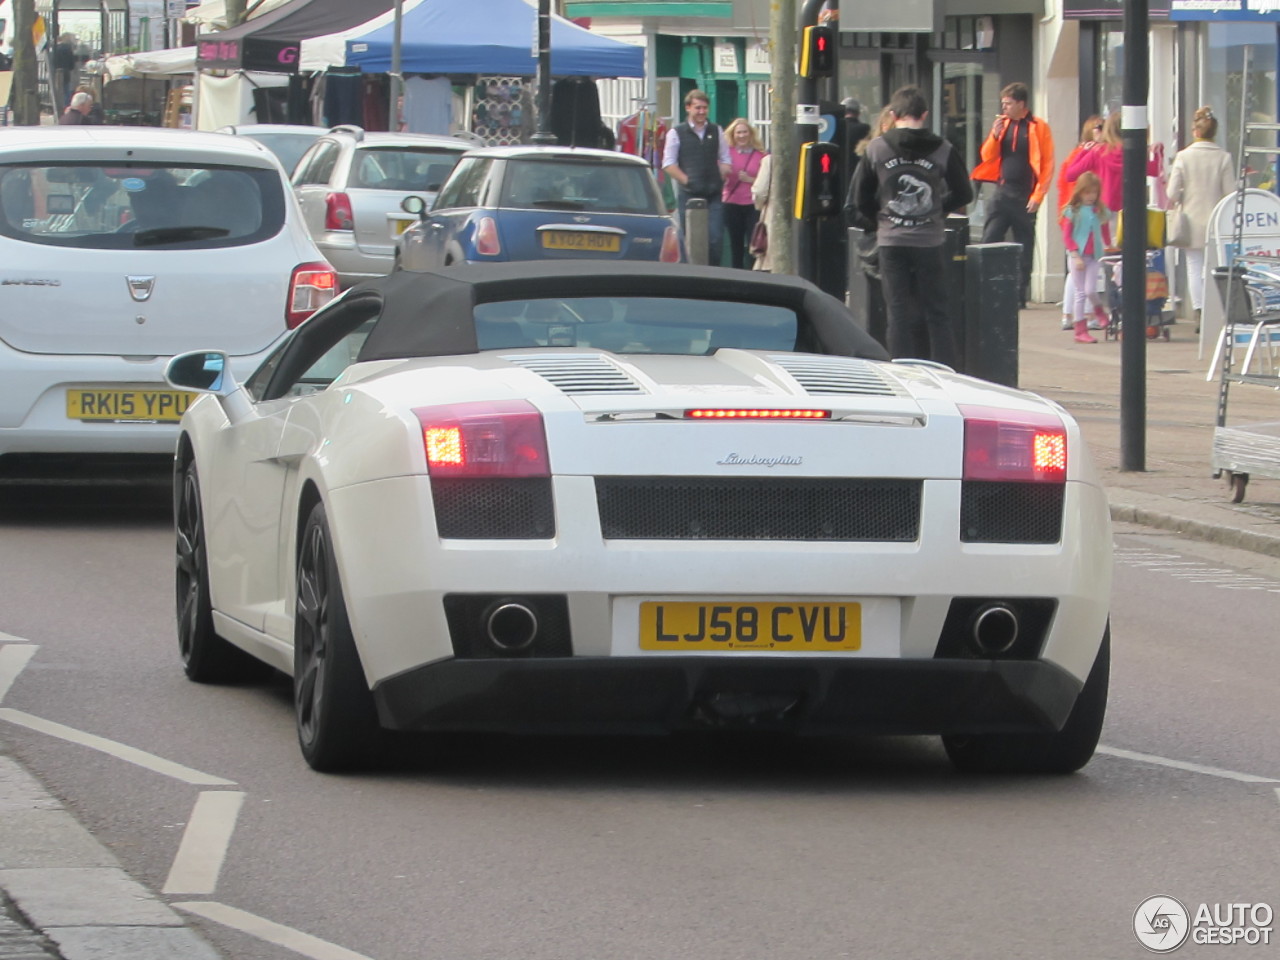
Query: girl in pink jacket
1107	161
1086	235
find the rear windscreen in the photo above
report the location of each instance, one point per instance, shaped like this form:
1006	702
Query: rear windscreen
400	168
635	325
557	184
121	207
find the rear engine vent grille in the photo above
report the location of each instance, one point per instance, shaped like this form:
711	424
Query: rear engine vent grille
586	373
998	512
820	375
506	508
757	508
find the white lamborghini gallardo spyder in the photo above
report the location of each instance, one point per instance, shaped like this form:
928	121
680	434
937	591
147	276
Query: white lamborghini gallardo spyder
559	497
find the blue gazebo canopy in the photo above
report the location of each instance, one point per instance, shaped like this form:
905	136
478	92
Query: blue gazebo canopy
494	37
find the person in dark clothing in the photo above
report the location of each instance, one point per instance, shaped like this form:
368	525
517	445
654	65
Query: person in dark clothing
908	181
1018	157
696	157
77	111
65	69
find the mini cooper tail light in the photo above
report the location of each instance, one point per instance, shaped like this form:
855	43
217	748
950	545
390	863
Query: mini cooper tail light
310	288
670	246
501	438
487	244
1005	445
337	212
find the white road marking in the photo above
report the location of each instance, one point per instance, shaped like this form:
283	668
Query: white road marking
204	843
10	638
1184	765
1196	571
141	758
12	660
268	930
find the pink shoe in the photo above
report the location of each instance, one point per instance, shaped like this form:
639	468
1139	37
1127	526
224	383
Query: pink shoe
1082	333
1101	318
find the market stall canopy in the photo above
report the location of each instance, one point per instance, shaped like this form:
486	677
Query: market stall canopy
213	13
320	53
493	37
272	41
162	63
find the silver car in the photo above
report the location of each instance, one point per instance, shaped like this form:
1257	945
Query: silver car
351	185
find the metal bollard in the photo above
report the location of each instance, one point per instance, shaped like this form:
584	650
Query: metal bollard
696	239
955	240
992	286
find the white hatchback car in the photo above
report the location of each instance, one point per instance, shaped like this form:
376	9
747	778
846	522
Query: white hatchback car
120	247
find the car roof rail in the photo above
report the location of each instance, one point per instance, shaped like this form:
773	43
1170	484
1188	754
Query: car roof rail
351	128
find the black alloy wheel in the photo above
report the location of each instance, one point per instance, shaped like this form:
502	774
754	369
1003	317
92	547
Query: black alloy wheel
337	722
1064	751
206	657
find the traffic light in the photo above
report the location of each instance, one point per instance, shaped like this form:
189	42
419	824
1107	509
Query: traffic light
818	53
818	185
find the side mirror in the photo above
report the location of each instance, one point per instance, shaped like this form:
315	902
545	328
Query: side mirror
209	371
415	205
205	371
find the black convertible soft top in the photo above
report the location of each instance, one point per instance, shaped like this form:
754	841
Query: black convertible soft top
430	314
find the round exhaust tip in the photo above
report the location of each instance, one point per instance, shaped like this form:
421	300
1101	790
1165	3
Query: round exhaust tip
995	629
511	626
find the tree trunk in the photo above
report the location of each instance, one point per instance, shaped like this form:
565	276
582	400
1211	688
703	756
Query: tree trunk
235	12
782	133
23	98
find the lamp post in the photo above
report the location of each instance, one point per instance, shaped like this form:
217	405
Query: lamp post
542	50
397	81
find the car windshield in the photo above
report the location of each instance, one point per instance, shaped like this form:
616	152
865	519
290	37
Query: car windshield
635	325
138	205
557	184
400	168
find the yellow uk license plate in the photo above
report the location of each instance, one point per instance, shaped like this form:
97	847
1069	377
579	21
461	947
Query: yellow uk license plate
399	226
569	240
164	406
800	627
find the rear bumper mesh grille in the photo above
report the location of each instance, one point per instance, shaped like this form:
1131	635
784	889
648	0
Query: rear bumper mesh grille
758	508
999	512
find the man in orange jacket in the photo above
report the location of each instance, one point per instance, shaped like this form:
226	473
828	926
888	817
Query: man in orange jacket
1017	156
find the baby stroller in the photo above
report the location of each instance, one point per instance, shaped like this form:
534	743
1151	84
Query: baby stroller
1157	295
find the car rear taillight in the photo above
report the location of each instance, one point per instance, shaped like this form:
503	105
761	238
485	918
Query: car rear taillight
1006	445
501	438
310	288
487	244
337	212
670	246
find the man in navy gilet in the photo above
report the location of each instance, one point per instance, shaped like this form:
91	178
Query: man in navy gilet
696	157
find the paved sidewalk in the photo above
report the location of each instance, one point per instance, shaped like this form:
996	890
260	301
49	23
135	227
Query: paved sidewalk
1177	490
64	896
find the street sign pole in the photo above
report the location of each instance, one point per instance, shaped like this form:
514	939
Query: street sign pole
1133	255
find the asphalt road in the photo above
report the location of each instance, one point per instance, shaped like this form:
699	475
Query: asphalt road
639	849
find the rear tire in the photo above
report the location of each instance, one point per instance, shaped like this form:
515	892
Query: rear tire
1064	751
206	657
336	719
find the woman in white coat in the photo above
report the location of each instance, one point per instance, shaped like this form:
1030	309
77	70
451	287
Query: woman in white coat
1202	175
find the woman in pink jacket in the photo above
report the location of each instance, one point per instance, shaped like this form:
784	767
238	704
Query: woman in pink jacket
1107	161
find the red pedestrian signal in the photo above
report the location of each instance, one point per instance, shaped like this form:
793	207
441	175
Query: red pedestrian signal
818	183
818	53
